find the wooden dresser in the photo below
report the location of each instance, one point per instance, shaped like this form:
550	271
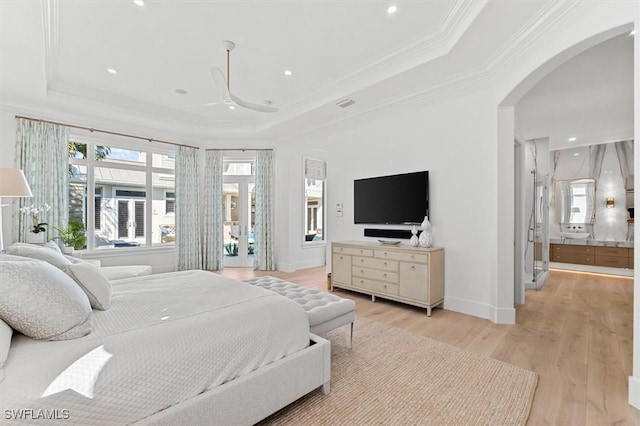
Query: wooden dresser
614	257
412	275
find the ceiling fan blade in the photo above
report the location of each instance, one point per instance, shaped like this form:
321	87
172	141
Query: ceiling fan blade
255	107
221	82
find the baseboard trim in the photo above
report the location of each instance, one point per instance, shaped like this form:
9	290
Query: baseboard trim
634	391
481	310
292	267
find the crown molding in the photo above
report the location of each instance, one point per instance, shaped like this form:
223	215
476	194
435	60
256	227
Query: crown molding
402	58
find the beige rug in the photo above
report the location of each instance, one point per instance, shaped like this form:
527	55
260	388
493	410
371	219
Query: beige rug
394	377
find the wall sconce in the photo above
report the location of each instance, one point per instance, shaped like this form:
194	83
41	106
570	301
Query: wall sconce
610	203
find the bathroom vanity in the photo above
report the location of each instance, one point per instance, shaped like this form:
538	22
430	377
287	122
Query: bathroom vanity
613	254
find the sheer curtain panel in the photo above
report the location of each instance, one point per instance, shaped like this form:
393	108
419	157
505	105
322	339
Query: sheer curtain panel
42	154
188	247
213	254
264	226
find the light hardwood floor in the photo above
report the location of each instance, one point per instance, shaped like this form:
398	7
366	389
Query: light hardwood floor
576	333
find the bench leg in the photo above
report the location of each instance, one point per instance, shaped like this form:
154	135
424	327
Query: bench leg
350	336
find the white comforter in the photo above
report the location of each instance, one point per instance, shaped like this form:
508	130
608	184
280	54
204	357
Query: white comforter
166	338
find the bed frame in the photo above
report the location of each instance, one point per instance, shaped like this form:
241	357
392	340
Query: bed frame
252	397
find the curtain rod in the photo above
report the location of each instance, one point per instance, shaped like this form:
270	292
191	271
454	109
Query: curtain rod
91	129
239	149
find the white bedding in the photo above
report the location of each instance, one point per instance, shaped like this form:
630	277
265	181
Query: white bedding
165	339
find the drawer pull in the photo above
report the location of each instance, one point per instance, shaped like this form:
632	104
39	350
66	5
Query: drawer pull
361	251
386	254
341	258
361	282
361	260
413	256
413	267
385	263
362	271
384	275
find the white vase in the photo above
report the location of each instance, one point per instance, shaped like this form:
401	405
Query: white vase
426	240
33	238
414	241
67	250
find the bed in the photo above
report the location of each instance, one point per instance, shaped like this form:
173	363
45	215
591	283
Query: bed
186	347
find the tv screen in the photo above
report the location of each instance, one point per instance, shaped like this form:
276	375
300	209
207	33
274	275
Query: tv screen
395	199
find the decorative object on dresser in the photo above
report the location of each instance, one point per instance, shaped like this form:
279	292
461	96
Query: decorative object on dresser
411	275
426	240
13	184
414	242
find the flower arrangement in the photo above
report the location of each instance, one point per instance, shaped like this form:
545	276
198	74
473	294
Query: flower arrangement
35	212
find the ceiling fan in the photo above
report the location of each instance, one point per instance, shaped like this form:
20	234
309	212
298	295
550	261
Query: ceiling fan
227	97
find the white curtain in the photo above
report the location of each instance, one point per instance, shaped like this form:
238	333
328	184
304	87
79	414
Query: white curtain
213	254
188	247
42	154
264	226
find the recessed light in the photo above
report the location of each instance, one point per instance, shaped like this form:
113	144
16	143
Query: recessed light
181	91
232	107
288	72
112	71
572	139
576	154
392	9
632	33
138	2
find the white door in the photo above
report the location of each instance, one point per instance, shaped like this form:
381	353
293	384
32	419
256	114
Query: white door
239	220
131	214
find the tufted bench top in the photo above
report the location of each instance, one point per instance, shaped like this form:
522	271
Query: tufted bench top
320	306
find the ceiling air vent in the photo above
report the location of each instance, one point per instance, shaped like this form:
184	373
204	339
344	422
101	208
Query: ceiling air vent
345	102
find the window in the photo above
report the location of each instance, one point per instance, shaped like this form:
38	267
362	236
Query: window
170	202
133	192
315	175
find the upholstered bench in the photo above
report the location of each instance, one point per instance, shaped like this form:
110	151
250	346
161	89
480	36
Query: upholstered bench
326	311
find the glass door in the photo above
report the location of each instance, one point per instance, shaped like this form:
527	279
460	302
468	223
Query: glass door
238	201
540	229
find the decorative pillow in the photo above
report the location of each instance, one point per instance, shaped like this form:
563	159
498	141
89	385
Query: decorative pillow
5	343
49	254
42	302
95	285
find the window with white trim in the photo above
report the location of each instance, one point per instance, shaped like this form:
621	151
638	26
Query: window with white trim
133	191
315	176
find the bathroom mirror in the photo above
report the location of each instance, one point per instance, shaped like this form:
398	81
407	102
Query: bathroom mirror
575	200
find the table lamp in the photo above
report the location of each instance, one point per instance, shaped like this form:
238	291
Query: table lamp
12	184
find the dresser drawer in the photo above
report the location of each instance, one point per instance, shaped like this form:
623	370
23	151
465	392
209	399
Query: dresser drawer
374	262
352	251
376	274
403	257
376	286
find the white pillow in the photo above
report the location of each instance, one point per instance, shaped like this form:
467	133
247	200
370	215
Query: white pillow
5	343
95	285
47	253
42	302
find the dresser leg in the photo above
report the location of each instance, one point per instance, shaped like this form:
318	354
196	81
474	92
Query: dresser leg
429	311
373	298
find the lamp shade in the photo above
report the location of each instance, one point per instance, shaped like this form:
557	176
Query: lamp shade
13	183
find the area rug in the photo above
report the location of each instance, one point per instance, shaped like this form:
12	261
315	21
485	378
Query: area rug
394	377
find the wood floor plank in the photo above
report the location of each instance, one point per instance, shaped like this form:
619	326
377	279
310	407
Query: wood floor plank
575	332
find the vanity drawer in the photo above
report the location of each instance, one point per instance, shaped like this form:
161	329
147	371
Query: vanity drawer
352	251
612	251
374	262
571	249
376	274
580	258
404	257
612	261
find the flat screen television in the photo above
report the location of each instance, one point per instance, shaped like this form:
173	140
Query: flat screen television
394	199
